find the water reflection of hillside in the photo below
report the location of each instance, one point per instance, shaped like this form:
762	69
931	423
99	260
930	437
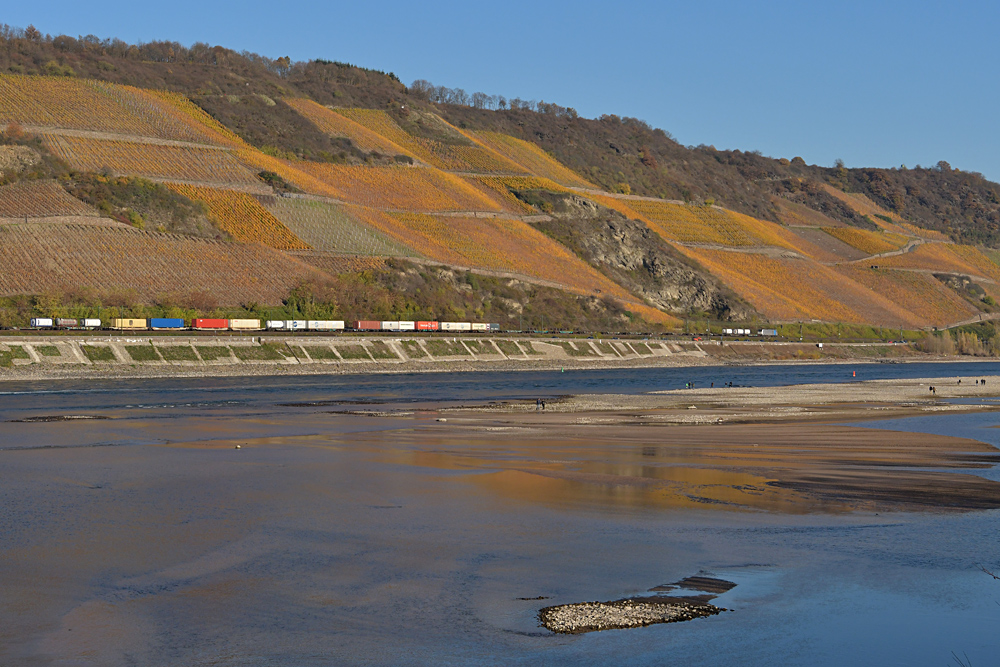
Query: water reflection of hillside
787	468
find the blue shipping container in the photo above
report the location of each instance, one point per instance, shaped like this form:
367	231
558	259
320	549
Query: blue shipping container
166	323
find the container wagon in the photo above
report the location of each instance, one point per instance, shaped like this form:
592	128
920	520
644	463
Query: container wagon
166	323
456	326
493	326
202	324
390	326
286	325
427	326
768	332
128	324
244	325
90	323
366	325
407	326
42	322
480	326
66	322
325	325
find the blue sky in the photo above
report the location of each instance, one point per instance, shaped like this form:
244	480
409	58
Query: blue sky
875	84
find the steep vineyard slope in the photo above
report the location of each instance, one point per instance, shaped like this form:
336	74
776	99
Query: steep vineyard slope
50	257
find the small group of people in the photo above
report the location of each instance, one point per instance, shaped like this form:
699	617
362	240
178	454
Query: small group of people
539	404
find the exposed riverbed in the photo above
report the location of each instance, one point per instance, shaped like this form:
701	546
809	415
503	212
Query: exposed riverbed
354	527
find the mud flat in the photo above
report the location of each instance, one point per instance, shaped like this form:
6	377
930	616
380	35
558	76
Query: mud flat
784	449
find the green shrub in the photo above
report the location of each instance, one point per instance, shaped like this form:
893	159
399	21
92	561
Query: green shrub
413	349
177	353
95	353
264	352
379	350
353	352
213	352
18	352
607	348
481	347
320	352
641	348
444	348
582	350
142	352
509	348
48	350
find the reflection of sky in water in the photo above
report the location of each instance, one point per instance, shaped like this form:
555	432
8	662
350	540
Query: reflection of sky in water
310	551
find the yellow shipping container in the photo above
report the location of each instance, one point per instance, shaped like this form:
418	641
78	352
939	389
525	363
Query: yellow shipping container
245	325
128	324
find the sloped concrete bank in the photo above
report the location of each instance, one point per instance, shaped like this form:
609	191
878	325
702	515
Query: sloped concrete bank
41	357
61	357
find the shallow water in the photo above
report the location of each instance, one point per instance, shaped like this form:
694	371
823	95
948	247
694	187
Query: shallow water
148	539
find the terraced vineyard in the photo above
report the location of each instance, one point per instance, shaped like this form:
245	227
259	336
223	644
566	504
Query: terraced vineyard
530	158
700	224
944	258
40	199
89	105
52	257
922	294
340	125
493	244
183	163
340	264
449	157
871	243
794	289
329	227
243	217
400	188
499	189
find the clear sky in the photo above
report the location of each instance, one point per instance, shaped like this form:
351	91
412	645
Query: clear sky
872	83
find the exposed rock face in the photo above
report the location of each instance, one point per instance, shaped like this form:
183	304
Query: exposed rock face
17	158
635	256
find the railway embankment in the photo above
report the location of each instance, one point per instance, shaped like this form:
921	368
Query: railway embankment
122	355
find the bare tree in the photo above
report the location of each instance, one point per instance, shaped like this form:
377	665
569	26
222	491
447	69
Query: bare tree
479	100
422	88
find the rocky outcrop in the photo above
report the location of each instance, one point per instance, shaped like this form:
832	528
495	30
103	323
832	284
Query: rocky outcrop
639	259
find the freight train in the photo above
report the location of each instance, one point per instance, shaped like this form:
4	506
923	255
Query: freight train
207	324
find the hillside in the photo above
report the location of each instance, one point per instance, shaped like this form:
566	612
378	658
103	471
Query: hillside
217	180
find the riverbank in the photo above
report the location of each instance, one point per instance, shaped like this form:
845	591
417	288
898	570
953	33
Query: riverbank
124	356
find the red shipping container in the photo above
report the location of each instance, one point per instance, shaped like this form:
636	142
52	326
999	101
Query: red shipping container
209	324
367	325
427	326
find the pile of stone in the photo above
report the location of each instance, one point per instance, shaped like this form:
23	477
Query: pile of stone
618	614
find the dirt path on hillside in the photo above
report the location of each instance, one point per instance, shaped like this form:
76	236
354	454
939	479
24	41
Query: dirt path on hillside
110	136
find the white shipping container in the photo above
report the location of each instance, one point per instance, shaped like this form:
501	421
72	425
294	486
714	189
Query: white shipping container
727	332
295	325
92	324
244	325
275	324
390	326
407	326
41	321
480	326
456	326
324	325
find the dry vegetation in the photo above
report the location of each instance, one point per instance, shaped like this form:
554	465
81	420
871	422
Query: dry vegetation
43	257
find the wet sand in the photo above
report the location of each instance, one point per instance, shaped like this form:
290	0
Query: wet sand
779	449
